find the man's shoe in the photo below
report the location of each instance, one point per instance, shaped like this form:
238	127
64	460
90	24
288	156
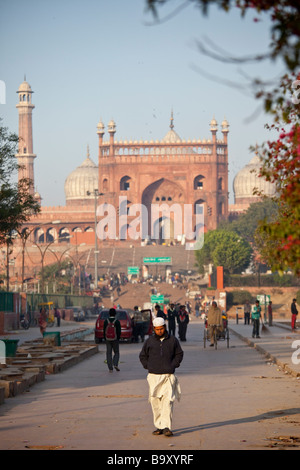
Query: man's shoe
211	344
157	432
110	370
117	368
167	432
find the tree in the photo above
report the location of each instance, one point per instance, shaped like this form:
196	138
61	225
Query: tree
17	205
224	248
285	31
246	224
279	240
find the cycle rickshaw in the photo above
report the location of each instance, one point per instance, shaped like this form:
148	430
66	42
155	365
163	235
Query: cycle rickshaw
220	334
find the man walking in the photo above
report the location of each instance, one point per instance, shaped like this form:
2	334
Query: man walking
247	311
112	334
161	355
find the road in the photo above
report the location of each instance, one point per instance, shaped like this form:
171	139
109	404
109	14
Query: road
232	398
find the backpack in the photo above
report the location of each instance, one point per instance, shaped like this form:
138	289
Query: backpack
110	331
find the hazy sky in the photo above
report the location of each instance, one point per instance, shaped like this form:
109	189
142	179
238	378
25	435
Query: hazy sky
109	59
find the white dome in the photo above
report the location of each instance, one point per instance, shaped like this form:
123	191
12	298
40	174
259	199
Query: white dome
82	181
25	88
247	179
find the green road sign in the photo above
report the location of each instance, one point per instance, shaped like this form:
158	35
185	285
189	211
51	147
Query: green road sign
133	270
158	260
157	299
263	299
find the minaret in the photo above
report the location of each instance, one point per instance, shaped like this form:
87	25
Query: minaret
25	153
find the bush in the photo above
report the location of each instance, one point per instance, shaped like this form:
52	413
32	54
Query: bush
238	297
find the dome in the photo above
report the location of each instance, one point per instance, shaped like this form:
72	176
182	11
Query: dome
171	137
24	88
81	181
247	179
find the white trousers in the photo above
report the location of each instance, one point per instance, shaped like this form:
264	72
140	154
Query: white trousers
162	409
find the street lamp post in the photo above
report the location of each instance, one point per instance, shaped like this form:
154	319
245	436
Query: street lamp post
96	252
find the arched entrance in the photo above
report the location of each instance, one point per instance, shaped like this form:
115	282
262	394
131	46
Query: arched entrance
163	200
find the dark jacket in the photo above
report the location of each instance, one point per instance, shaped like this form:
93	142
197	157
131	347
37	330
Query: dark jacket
172	315
294	309
161	357
117	326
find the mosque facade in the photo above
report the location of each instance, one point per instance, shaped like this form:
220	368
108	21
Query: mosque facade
172	173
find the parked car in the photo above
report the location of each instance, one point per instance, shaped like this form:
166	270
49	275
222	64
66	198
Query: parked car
125	320
78	313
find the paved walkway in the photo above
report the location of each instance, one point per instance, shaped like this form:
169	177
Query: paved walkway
279	344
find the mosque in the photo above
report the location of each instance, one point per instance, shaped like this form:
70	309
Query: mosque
171	172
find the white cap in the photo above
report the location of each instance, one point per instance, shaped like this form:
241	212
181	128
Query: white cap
158	321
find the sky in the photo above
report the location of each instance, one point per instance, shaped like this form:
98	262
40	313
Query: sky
110	59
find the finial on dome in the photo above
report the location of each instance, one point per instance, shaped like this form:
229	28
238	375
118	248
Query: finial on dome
172	120
225	125
213	125
88	151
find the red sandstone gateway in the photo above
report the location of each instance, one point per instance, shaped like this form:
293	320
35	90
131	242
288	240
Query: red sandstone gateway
123	317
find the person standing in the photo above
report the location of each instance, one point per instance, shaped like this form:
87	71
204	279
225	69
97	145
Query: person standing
161	355
197	308
57	316
182	320
159	312
256	316
112	334
172	316
270	313
294	313
247	311
42	321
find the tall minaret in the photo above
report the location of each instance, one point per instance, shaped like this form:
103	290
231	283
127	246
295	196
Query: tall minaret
25	153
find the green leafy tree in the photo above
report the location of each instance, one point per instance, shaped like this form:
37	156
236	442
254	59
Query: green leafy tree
224	248
61	275
279	239
17	205
247	223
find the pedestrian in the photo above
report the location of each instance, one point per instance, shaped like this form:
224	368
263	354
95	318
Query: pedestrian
256	316
182	320
214	321
161	355
270	313
42	321
57	316
159	312
247	311
294	313
112	334
138	325
197	308
172	317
